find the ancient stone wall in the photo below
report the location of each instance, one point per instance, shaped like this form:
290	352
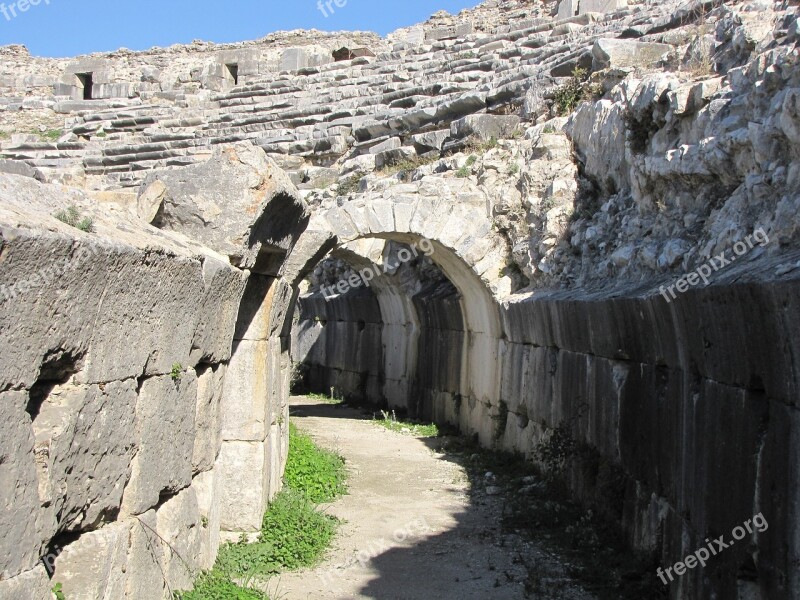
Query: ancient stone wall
145	387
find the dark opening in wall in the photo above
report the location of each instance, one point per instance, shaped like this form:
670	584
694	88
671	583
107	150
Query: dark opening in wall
349	54
233	71
87	81
57	369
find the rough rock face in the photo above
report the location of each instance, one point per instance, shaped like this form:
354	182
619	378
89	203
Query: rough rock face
238	203
576	217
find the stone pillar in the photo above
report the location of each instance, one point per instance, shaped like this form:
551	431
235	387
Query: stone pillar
254	408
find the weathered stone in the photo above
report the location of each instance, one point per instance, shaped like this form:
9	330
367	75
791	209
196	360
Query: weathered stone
567	8
485	127
207	488
31	585
393	157
25	535
245	225
150	201
245	484
165	420
178	526
85	444
208	419
601	6
95	566
627	53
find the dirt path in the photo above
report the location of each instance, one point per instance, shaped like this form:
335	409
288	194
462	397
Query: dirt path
410	530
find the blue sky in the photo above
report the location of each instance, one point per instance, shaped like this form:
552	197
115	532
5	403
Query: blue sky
63	28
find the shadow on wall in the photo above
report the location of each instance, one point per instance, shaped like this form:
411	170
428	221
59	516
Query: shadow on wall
348	345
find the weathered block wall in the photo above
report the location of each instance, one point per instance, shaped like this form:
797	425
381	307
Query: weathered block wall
689	414
338	346
107	459
143	395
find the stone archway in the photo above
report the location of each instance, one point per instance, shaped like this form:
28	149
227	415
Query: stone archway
473	259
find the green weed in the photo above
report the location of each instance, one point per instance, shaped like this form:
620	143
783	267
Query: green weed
569	95
214	585
390	421
73	217
316	473
294	533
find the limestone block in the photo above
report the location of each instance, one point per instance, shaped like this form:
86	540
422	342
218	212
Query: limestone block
178	525
244	404
485	127
95	566
381	215
208	491
395	156
150	201
244	482
208	418
390	144
294	59
97	279
30	585
255	309
404	207
276	458
217	313
238	203
567	9
432	140
145	560
165	429
601	6
22	536
618	54
85	442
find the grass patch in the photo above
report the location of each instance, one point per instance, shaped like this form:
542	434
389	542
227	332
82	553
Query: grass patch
332	399
348	186
572	93
51	135
316	473
73	217
217	586
476	146
410	164
390	421
294	533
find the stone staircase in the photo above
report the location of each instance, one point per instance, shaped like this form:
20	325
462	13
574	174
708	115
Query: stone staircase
331	112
